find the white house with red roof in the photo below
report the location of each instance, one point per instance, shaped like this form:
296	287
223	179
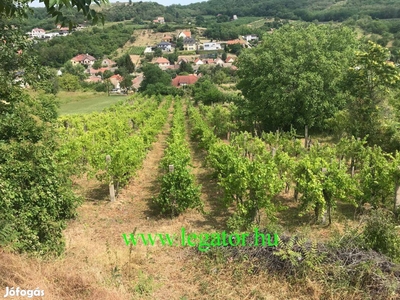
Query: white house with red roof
185	34
162	62
83	59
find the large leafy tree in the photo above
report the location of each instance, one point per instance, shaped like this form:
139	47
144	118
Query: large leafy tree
294	77
35	191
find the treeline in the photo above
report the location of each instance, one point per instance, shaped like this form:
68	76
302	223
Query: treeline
97	41
323	10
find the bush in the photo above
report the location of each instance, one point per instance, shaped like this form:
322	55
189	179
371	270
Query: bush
380	234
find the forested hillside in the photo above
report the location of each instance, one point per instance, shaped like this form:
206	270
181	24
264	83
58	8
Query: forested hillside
307	10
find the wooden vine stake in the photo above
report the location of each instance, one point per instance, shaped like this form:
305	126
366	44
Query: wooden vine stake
305	136
111	184
326	213
397	194
171	169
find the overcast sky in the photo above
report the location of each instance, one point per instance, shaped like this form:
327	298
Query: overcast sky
162	2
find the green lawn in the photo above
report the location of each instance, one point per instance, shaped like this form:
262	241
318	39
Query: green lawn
85	102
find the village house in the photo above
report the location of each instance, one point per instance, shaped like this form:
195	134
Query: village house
167	38
219	62
250	37
93	79
106	62
38	33
211	46
116	80
92	71
83	59
165	46
182	59
208	61
183	80
63	31
162	62
185	34
50	35
198	62
159	20
136	82
189	44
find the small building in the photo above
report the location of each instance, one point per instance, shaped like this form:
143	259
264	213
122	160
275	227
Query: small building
162	62
198	62
148	49
116	80
63	31
167	38
93	79
183	80
229	59
165	46
185	34
159	20
208	61
250	37
38	33
106	62
182	59
189	44
50	35
211	46
83	59
234	17
219	62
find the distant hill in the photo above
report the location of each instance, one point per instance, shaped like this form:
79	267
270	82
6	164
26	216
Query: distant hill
308	10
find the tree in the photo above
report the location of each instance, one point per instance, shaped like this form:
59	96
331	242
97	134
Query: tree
69	82
76	70
97	64
206	92
179	43
154	75
294	77
126	62
36	195
368	83
157	52
185	67
20	8
224	56
199	20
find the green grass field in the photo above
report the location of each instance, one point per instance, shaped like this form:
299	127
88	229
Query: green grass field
85	102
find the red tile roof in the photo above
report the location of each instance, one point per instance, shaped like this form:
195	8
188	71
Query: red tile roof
187	33
82	57
237	41
181	80
161	60
117	77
